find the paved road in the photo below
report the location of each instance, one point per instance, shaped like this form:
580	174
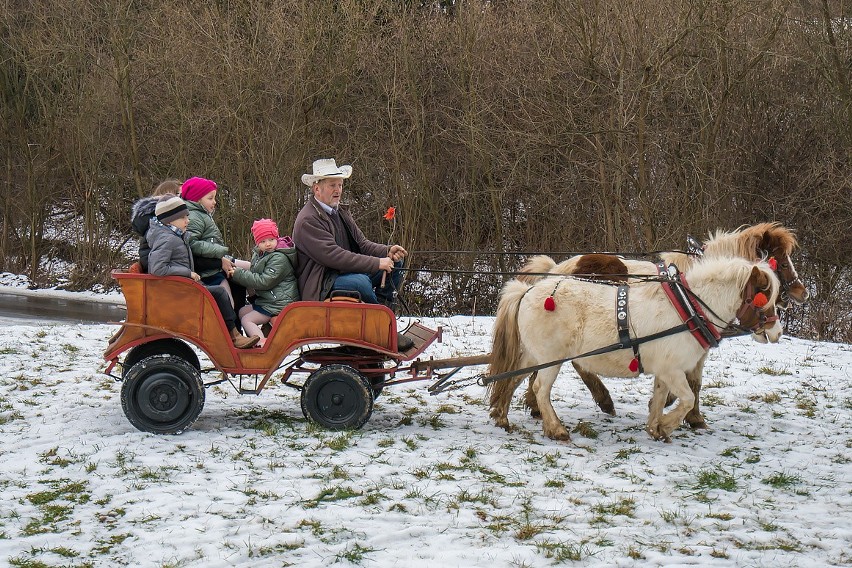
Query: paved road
26	307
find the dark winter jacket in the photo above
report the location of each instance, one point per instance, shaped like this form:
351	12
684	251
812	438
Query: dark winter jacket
170	254
140	218
205	240
272	277
321	259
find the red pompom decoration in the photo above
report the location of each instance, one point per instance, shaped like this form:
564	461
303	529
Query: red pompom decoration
634	365
549	304
773	264
760	300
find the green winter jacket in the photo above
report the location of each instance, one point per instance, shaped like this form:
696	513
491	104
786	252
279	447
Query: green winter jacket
205	238
272	277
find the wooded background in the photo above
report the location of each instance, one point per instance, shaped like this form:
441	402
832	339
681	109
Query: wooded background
509	125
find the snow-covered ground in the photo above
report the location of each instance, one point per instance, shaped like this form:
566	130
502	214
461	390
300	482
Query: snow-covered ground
428	481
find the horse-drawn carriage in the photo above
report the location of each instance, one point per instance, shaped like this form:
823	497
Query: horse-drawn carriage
348	351
348	354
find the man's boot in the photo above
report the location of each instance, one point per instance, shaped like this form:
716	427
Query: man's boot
241	342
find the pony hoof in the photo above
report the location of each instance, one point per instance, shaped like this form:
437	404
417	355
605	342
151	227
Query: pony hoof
562	435
699	425
535	413
608	408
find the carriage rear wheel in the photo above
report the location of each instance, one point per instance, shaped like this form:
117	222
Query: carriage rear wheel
162	394
337	397
167	346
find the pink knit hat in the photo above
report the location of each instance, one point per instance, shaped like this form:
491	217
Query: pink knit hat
264	229
195	188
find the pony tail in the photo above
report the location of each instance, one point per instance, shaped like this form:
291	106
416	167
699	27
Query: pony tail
506	345
537	264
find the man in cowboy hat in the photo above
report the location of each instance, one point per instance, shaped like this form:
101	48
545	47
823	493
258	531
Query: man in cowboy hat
333	253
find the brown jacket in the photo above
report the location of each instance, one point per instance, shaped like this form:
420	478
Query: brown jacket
321	259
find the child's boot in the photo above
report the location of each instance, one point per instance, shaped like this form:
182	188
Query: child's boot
242	342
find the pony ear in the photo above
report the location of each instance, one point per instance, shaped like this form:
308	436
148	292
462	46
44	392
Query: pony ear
758	278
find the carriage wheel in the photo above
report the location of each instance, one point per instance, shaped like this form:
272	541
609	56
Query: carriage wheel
162	394
337	397
158	347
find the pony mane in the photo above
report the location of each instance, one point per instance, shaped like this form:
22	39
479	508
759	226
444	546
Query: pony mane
708	268
746	241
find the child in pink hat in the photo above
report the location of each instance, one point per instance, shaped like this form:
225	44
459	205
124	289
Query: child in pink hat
272	276
209	252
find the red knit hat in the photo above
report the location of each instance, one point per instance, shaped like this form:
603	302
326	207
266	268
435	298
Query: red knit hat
264	229
195	188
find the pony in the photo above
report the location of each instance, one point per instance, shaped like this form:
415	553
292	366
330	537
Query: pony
580	317
755	242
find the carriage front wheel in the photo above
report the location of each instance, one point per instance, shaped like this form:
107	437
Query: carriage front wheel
162	394
337	397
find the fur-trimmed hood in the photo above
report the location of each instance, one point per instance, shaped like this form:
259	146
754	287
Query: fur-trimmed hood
141	214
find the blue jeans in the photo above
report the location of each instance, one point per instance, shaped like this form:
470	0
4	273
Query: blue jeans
364	284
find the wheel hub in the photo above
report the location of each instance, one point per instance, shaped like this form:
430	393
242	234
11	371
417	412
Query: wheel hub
163	397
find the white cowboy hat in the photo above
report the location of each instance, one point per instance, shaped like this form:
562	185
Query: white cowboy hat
326	168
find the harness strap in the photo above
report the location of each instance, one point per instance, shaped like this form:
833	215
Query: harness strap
622	320
485	381
704	331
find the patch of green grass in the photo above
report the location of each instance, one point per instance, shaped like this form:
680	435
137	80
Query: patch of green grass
775	544
603	511
277	549
730	452
773	372
354	553
340	441
585	429
269	422
781	480
8	351
447	409
51	457
561	551
5	419
338	472
753	457
329	494
711	399
105	545
435	421
807	405
624	453
715	479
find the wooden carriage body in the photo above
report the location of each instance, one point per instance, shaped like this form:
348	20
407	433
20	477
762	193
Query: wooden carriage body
173	307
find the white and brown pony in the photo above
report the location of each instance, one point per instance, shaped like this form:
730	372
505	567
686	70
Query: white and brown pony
527	332
770	241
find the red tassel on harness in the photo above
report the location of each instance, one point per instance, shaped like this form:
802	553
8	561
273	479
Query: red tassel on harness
549	304
760	300
773	264
634	365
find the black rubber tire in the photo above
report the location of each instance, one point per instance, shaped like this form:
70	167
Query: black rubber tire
159	347
162	394
337	397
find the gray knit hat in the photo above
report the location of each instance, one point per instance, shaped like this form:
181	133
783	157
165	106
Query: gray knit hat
170	208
